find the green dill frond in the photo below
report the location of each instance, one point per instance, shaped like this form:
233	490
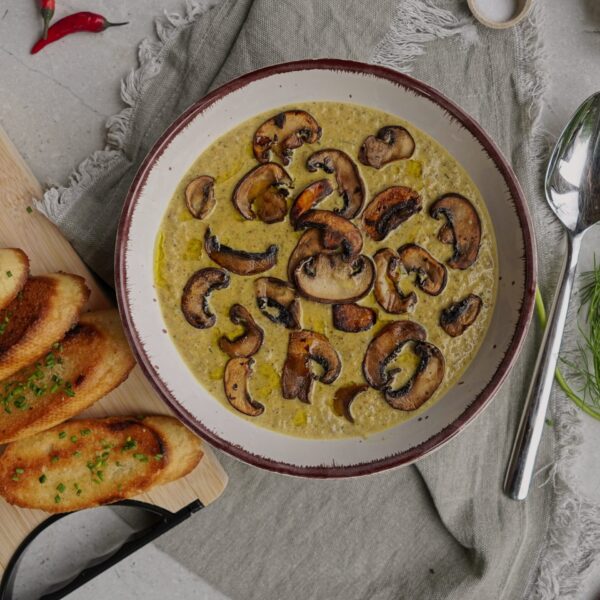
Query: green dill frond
584	368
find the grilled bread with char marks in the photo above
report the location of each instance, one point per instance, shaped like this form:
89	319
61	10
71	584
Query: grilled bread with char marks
89	462
40	315
81	464
89	362
14	270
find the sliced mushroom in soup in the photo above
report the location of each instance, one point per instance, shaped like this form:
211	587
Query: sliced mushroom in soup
283	133
239	261
278	301
389	209
265	187
194	300
391	143
350	185
455	319
463	229
306	347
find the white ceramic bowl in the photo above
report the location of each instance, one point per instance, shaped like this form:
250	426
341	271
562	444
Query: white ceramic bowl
267	89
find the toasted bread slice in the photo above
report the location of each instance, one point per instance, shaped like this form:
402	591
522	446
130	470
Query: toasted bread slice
90	361
45	309
182	449
81	464
14	270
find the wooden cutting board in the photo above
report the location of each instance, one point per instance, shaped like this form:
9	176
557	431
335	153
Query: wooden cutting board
48	251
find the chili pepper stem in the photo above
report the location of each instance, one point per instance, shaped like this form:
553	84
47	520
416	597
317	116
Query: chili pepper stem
45	31
108	24
47	15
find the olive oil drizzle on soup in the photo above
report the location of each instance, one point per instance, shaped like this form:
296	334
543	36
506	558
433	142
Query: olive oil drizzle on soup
179	252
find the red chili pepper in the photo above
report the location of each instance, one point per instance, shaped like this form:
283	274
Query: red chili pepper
47	14
81	21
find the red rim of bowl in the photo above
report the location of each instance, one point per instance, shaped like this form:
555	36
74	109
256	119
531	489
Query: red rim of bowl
484	397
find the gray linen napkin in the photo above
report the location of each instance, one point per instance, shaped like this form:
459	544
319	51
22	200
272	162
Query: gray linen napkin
442	528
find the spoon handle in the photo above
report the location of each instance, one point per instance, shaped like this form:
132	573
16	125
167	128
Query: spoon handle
522	459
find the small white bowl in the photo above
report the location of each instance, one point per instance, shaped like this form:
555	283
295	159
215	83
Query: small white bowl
500	14
342	81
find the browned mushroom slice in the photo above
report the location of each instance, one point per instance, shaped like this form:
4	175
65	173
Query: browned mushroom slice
235	381
308	245
330	279
344	397
194	300
425	381
309	197
327	234
350	184
248	343
304	347
466	229
387	294
280	297
385	346
389	209
460	315
336	231
238	261
283	133
353	318
200	196
264	186
391	143
431	274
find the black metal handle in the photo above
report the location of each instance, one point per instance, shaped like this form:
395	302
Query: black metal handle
167	520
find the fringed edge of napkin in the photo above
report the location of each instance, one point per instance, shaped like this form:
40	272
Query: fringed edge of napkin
416	23
573	535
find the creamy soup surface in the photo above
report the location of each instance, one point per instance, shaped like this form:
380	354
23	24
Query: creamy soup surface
179	252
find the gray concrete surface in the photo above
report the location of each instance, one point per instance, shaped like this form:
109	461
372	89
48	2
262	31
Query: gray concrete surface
54	107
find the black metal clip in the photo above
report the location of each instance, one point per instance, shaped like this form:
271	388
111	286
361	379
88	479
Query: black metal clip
162	521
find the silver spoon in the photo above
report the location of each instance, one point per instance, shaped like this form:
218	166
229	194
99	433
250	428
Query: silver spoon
572	188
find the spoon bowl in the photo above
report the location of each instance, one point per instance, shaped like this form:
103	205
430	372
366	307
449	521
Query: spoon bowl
573	176
572	187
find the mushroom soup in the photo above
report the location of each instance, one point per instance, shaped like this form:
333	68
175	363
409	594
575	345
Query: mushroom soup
326	270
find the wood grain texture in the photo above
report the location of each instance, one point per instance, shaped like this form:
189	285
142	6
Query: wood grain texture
48	251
